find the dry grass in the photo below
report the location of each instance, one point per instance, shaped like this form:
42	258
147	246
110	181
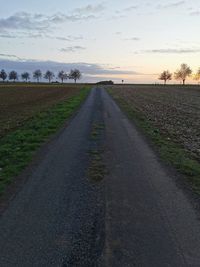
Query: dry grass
20	102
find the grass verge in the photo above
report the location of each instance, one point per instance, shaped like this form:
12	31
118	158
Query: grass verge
18	147
170	150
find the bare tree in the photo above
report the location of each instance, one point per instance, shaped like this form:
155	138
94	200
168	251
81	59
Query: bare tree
165	76
75	75
197	75
62	75
37	74
183	73
49	75
13	76
25	76
3	75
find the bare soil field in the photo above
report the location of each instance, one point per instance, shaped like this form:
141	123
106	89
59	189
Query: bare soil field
21	102
173	110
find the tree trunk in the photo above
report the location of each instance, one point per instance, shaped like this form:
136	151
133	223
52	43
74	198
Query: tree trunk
183	81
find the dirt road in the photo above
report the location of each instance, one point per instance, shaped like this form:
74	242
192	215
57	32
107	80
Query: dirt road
136	216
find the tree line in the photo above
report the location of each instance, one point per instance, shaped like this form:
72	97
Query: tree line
37	75
181	74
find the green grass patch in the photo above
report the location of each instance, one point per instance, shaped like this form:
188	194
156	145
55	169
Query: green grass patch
96	129
97	168
170	150
18	147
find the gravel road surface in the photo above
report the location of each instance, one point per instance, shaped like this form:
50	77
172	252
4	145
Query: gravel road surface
136	216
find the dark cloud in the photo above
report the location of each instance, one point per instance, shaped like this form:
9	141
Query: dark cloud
90	71
72	49
172	51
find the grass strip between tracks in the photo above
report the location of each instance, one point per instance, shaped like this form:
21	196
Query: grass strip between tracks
18	147
169	150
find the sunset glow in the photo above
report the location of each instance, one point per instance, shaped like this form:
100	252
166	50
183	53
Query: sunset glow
113	39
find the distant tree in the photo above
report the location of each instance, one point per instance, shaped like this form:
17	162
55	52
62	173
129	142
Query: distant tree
49	75
75	75
183	73
37	75
62	75
122	81
105	83
25	76
165	76
3	75
13	76
197	75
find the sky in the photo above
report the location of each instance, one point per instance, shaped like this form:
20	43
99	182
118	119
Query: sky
119	40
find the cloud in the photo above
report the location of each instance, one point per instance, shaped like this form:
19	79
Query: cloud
34	35
72	49
69	38
171	5
10	56
130	8
132	39
127	9
90	9
8	36
172	51
24	20
74	17
41	22
119	16
89	70
195	13
22	35
122	13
